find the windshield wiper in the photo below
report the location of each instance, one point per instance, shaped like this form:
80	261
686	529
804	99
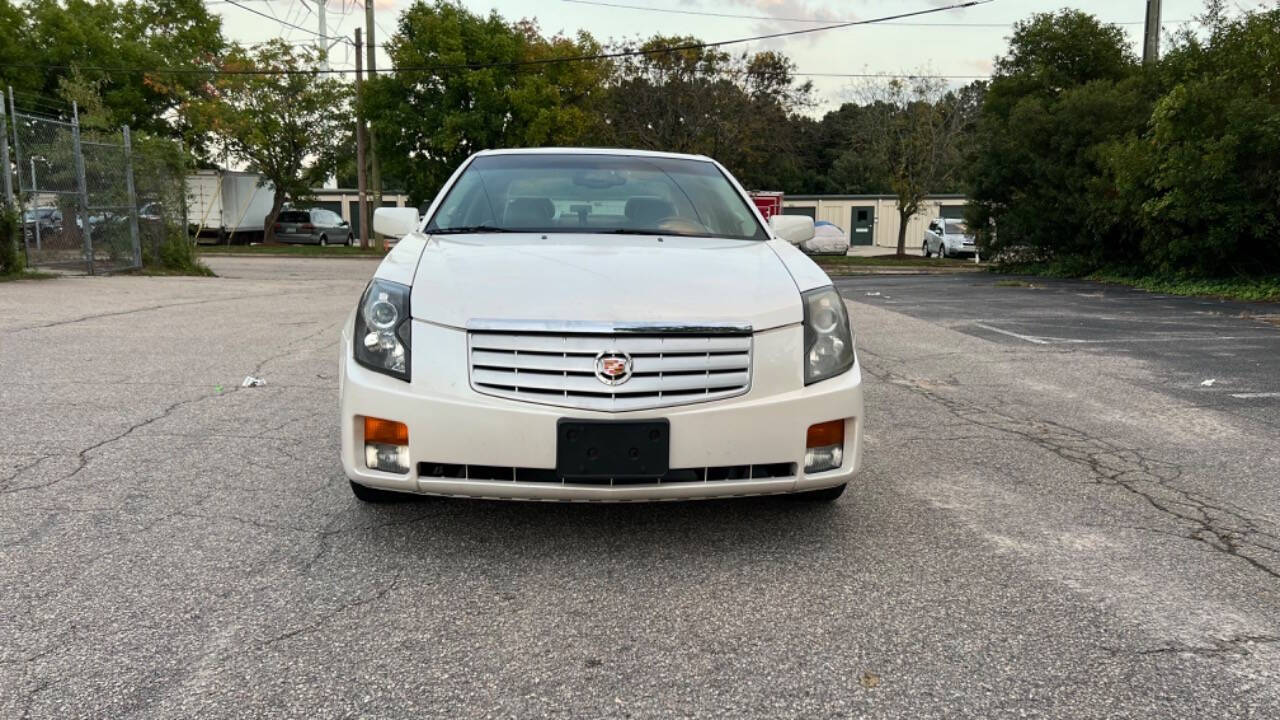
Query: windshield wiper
634	231
468	229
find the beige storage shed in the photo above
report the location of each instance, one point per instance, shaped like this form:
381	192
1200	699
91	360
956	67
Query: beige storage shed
873	219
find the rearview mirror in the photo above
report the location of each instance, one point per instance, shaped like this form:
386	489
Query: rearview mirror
795	229
393	221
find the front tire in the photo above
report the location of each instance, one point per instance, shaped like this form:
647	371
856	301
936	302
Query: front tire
364	493
942	251
324	241
830	494
351	240
924	249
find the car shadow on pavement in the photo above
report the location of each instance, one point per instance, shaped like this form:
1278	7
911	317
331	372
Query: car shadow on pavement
586	530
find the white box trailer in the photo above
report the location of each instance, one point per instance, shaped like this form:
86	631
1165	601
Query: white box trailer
228	206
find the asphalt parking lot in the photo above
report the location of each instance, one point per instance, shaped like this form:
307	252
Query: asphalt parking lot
1057	518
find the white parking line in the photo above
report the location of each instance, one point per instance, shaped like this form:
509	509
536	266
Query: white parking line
1255	396
1050	340
1027	338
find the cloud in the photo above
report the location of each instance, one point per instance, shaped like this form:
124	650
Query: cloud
789	12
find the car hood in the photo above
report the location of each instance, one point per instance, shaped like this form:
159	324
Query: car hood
602	279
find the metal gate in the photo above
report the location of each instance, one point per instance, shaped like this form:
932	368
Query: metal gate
80	212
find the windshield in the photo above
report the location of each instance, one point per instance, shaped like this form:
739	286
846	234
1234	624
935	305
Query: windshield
596	194
956	227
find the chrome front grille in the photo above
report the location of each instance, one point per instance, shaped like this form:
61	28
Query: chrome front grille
559	368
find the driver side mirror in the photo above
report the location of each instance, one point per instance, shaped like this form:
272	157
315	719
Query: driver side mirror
795	229
394	221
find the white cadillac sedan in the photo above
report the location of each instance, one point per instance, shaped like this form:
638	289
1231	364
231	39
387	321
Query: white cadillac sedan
598	325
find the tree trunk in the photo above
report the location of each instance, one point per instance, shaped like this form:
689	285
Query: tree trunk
269	228
903	217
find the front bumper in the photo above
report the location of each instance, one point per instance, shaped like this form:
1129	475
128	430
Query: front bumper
452	425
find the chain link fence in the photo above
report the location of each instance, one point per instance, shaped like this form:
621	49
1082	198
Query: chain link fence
91	200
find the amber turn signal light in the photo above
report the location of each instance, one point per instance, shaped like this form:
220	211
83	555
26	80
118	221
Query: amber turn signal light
389	432
824	434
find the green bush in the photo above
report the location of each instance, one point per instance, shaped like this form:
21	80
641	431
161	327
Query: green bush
1087	161
174	253
11	260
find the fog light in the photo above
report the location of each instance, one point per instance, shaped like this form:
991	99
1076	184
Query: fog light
824	446
386	445
387	458
827	457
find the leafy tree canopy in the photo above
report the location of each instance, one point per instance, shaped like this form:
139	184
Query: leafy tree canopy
277	124
1064	90
45	42
427	121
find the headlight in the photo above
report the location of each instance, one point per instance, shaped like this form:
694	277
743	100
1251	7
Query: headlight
828	342
382	329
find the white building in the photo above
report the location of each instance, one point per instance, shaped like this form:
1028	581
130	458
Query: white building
873	219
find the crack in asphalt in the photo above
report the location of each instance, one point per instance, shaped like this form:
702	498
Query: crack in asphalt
23	468
1240	645
83	454
323	619
30	700
148	308
1228	530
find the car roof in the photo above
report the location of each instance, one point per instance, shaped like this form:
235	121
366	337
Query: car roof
592	151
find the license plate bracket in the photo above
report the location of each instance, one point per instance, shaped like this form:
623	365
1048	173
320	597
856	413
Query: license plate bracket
602	449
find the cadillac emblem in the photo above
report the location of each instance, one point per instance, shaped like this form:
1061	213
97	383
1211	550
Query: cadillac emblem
613	367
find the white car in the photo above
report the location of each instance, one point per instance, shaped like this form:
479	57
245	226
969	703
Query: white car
947	237
597	325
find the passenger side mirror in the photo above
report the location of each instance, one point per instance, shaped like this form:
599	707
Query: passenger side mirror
795	229
393	221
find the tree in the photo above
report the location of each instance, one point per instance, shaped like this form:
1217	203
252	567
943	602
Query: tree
1204	177
737	109
276	121
92	40
462	88
1068	88
911	139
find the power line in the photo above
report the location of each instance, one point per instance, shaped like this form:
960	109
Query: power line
240	4
521	63
906	76
704	13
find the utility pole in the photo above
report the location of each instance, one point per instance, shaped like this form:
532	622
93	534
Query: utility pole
375	170
1151	39
4	160
360	170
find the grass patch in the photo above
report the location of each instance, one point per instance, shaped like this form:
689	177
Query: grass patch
908	261
28	275
1263	288
1260	289
290	250
196	269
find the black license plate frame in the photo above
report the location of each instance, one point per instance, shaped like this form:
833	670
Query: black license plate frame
604	449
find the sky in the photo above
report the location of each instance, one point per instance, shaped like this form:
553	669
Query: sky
958	42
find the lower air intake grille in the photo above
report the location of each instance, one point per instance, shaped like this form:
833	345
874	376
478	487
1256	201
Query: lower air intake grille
429	470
